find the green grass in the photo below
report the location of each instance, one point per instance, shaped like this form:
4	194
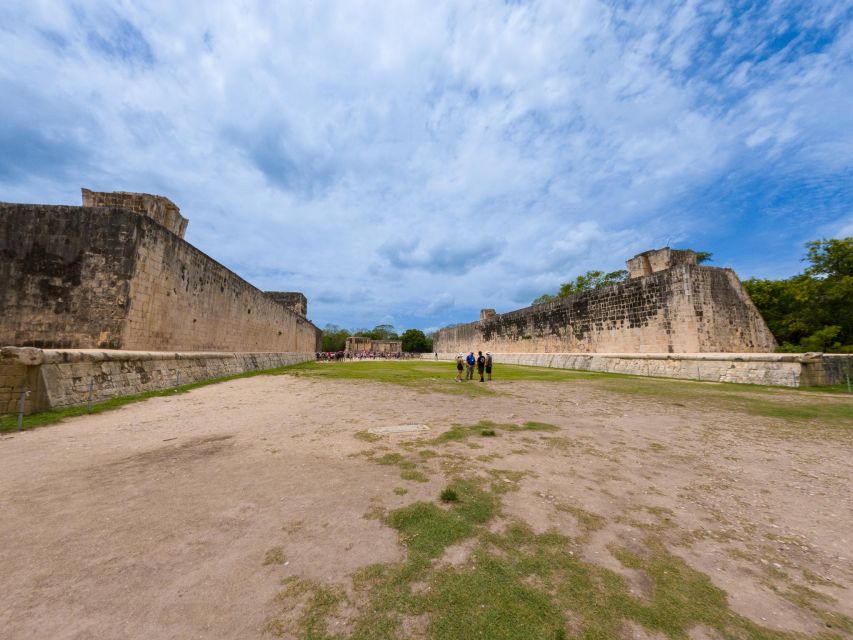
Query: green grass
517	585
425	375
408	468
773	402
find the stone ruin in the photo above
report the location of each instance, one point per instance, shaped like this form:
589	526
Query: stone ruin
360	344
669	304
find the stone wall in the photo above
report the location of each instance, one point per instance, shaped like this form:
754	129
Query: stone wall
160	209
94	277
682	309
65	275
61	378
779	369
182	300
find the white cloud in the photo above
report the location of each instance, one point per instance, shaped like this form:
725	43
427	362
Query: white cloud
422	160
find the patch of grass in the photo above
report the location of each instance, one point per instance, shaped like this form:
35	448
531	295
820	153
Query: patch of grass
489	433
413	475
323	601
367	436
506	481
427	530
408	468
274	556
400	491
294	587
519	585
588	521
449	495
320	604
459	432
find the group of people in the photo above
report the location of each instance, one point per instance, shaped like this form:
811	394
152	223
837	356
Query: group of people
467	364
337	356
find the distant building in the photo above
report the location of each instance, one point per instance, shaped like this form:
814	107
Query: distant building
358	344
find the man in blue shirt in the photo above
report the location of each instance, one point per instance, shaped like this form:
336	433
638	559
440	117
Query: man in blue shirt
469	373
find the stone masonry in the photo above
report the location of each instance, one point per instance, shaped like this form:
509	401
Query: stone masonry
114	277
357	344
670	304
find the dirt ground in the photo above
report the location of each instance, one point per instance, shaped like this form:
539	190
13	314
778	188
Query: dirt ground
179	517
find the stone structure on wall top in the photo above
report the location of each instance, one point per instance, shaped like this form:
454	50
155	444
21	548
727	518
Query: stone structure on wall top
649	262
669	304
159	208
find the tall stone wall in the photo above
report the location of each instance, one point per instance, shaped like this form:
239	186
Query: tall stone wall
682	309
83	277
182	298
65	275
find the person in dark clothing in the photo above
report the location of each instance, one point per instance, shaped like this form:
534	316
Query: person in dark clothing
481	364
488	365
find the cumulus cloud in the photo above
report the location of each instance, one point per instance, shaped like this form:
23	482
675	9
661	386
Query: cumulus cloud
422	160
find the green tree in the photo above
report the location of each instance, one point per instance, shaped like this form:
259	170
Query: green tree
379	332
334	338
812	311
591	280
415	341
586	282
545	297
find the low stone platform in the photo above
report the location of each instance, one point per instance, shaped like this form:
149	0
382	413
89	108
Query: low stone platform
61	378
781	369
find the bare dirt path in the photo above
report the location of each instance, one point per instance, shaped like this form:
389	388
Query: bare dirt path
180	517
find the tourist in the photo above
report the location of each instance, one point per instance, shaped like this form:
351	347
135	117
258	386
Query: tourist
481	364
469	372
459	367
488	365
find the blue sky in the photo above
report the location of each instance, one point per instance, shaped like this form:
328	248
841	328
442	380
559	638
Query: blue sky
411	162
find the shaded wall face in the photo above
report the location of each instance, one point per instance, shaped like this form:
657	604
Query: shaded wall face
65	275
183	300
77	277
687	309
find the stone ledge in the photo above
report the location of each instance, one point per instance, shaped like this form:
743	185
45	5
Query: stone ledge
32	356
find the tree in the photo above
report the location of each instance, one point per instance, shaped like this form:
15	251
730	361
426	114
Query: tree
545	297
379	332
415	341
589	280
830	258
334	338
812	311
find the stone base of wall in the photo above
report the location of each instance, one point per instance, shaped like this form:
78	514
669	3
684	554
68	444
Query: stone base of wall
61	378
781	369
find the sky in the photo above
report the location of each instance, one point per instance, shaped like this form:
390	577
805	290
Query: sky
412	162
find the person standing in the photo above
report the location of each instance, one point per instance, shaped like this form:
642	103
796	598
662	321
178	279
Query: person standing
459	367
469	372
481	364
489	365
